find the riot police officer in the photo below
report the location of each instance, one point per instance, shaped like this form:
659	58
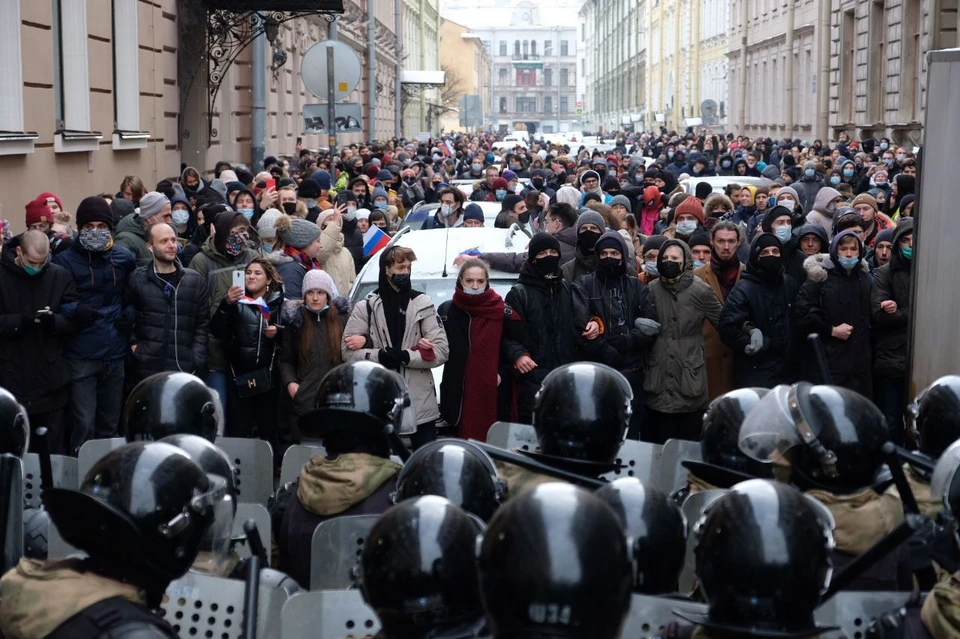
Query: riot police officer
455	469
439	599
581	414
358	406
658	529
554	562
763	560
14	425
14	441
140	515
936	418
170	404
828	441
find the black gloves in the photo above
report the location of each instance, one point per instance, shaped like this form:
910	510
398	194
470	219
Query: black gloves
85	315
26	321
46	320
393	357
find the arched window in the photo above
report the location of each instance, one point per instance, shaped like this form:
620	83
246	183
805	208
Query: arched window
516	47
526	48
533	48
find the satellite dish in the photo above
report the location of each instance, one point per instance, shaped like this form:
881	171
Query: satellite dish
708	108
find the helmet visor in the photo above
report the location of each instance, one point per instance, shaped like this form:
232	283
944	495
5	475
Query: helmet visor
944	473
769	430
215	507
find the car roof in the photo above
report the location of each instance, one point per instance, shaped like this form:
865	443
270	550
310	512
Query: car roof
719	182
422	211
436	247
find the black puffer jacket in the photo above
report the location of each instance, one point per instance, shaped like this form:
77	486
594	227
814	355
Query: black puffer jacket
618	302
172	320
353	242
892	282
241	327
539	322
756	302
31	356
831	297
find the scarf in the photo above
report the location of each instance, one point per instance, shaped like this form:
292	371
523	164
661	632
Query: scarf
308	263
477	411
727	273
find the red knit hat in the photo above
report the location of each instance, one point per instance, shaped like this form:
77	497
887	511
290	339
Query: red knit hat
38	211
690	206
51	196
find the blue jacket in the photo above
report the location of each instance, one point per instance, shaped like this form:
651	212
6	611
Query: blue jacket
100	279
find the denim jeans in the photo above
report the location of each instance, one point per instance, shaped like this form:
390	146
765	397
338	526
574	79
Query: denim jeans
96	399
218	382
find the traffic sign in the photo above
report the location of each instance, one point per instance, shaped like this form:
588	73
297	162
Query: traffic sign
346	69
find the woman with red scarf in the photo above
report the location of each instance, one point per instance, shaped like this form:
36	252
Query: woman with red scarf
473	320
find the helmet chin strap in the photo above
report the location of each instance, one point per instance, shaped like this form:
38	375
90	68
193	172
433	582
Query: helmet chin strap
826	458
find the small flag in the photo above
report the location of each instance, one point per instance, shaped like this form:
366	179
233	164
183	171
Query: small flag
471	251
259	303
374	240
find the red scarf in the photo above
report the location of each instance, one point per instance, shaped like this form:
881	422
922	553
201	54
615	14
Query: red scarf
302	258
478	408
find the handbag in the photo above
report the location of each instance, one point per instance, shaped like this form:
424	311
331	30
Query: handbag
255	382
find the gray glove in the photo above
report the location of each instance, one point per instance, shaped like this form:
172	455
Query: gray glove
756	342
648	327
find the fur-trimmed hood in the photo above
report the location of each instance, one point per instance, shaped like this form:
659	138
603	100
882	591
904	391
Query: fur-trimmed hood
818	266
277	257
290	314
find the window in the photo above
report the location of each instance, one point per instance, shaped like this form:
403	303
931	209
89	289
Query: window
502	77
503	105
876	63
548	104
526	78
848	53
503	47
912	62
526	48
563	48
71	86
11	83
564	73
516	47
533	48
564	106
526	105
548	47
548	77
126	77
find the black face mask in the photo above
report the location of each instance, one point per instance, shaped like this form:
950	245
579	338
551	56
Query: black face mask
612	267
537	183
670	270
586	240
290	208
547	266
601	173
401	281
769	264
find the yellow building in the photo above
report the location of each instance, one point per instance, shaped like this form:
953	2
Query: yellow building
687	63
467	64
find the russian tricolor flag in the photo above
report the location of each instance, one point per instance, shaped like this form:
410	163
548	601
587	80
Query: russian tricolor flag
259	303
374	240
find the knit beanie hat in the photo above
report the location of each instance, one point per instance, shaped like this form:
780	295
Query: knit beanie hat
472	211
51	196
384	175
886	235
266	227
296	232
39	211
691	206
589	174
122	208
541	242
699	239
220	187
589	216
500	183
865	198
654	242
323	180
703	190
94	209
363	214
151	204
510	201
623	201
379	192
228	175
317	279
309	189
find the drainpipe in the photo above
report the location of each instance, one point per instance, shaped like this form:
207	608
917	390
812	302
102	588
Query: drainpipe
789	87
742	107
823	78
258	102
397	87
371	70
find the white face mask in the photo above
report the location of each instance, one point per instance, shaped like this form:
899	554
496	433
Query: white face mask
446	210
351	213
789	204
470	291
686	227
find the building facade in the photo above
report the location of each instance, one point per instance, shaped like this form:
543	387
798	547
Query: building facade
613	34
95	91
422	107
467	64
687	63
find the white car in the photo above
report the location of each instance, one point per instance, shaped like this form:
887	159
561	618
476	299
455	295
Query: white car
433	271
419	214
719	182
510	142
466	186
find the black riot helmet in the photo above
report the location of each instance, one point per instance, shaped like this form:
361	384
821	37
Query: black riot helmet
418	569
945	481
360	400
724	464
554	562
455	469
581	413
658	529
14	425
936	414
763	560
140	514
211	459
170	404
830	437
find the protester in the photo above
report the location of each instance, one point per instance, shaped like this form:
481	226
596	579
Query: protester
154	208
301	247
334	258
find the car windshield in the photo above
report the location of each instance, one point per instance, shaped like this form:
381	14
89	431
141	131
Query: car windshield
439	290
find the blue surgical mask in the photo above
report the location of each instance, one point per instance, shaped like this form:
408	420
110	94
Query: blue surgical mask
783	233
180	217
809	172
476	167
267	247
849	262
906	252
771	202
888	161
311	203
651	268
697	264
380	205
247	213
501	194
687	227
725	164
848	173
670	154
883	146
834	180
